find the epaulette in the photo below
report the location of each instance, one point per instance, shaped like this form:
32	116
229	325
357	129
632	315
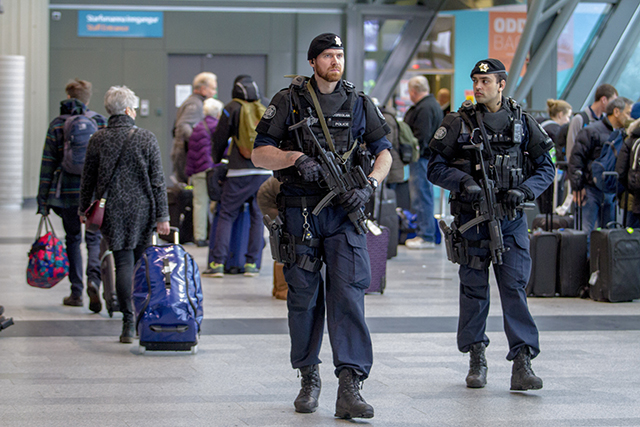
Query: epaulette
467	105
348	84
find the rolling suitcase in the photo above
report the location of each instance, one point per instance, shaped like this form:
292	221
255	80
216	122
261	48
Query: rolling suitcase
377	247
167	299
388	217
108	276
238	244
180	200
557	222
544	251
615	265
573	261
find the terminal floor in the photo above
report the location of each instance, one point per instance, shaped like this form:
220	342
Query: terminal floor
64	366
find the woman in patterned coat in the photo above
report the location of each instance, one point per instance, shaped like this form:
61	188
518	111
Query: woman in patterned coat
125	160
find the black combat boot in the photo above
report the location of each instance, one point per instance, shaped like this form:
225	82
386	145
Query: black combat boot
350	404
307	400
477	376
128	332
522	376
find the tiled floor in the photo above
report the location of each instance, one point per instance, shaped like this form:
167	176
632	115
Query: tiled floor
63	366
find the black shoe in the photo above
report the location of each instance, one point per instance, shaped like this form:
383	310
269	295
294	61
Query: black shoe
307	400
95	304
72	301
522	376
128	331
477	376
349	403
201	243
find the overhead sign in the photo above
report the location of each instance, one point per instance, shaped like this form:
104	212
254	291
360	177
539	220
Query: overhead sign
109	23
505	29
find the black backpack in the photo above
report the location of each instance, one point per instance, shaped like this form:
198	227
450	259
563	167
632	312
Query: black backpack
77	132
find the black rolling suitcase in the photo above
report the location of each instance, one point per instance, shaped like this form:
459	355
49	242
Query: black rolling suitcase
376	245
108	276
388	217
615	265
544	251
573	262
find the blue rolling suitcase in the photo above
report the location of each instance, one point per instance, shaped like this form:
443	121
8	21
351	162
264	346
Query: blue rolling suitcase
238	244
167	299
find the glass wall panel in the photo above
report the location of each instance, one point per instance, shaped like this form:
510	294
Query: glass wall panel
629	82
576	38
380	37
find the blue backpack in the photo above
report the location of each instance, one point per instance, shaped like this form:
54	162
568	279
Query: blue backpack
603	168
77	132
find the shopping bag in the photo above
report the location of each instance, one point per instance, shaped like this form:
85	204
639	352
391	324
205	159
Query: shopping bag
48	262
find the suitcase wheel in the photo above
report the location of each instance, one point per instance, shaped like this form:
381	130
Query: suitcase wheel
194	349
141	349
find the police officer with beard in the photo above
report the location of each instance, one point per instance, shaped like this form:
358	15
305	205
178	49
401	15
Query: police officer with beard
332	107
515	154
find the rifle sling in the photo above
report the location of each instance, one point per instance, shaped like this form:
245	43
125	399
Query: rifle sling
323	124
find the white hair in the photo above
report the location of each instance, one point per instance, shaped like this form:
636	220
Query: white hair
213	107
205	79
118	98
420	84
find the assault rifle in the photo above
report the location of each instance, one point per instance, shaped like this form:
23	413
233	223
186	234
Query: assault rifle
337	179
487	211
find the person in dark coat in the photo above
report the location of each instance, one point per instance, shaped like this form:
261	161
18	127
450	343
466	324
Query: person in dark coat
198	161
126	161
628	161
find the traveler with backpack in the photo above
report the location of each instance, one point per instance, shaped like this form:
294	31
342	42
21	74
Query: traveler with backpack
605	93
60	172
238	122
628	169
198	161
597	205
405	151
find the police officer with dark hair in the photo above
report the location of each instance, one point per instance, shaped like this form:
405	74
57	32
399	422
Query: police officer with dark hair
514	150
325	110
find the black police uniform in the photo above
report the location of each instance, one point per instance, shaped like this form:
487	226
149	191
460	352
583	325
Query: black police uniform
526	166
333	237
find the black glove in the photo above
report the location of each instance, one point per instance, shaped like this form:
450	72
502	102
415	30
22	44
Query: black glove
471	191
513	198
355	198
43	210
309	169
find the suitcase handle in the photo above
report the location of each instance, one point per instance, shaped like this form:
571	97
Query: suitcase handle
172	328
176	236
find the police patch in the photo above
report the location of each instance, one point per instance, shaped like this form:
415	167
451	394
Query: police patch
270	112
440	133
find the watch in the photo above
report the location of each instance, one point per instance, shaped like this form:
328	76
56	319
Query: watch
373	182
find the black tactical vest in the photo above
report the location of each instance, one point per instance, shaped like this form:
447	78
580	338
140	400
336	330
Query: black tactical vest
339	119
503	155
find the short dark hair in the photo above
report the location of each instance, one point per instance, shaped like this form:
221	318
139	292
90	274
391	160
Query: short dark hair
605	90
79	89
620	103
500	77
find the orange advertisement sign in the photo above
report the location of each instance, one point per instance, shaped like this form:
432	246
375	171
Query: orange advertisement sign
505	29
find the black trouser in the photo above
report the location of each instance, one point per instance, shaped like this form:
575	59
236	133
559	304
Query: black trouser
125	259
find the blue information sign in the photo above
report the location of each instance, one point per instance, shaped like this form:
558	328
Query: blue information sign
119	24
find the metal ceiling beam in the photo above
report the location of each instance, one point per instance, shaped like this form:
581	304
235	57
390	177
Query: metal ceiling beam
546	47
598	65
417	27
534	12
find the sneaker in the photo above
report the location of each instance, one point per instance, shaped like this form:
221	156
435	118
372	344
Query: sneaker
72	301
251	270
419	243
214	270
95	304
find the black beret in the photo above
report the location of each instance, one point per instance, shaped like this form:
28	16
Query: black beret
488	66
322	42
